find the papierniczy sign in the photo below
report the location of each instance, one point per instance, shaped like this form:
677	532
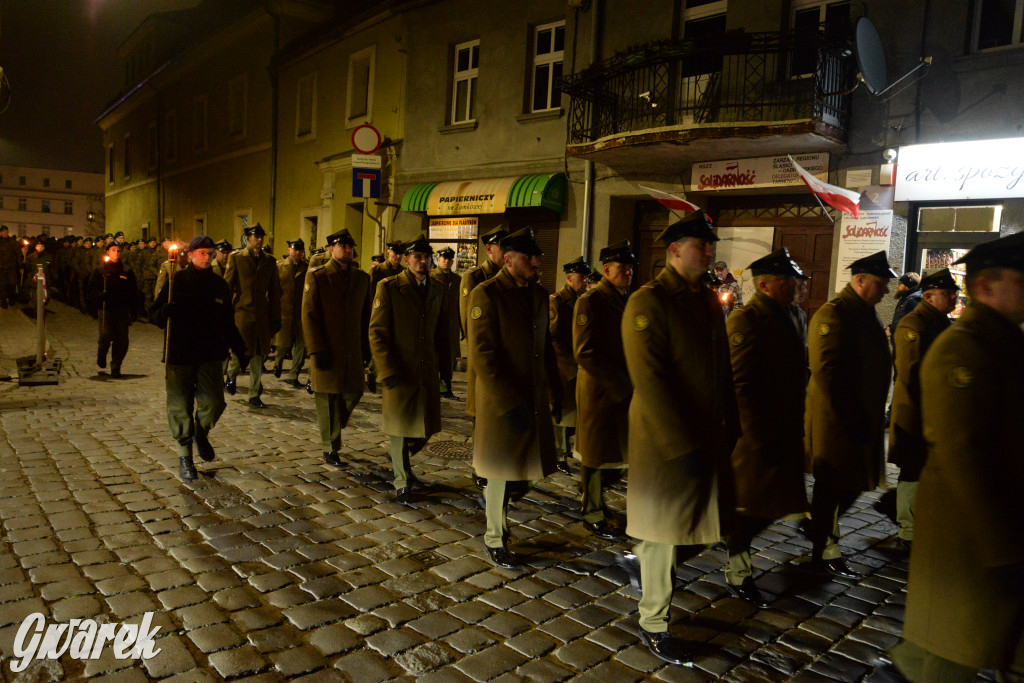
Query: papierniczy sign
755	173
82	639
983	169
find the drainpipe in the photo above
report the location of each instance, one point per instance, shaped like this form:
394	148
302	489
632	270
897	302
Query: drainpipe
274	96
588	166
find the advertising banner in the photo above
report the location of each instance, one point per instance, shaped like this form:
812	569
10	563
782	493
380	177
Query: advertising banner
860	237
756	173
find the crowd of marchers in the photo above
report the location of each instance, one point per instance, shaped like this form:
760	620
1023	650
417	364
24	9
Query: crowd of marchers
716	409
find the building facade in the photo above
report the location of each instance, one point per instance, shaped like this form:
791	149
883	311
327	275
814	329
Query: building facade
36	201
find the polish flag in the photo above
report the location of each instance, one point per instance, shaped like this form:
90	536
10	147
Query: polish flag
671	201
837	197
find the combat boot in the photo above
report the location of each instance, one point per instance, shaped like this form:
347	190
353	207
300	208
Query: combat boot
186	467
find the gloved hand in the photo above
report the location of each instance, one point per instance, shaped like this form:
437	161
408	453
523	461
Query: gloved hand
698	464
392	381
520	418
323	360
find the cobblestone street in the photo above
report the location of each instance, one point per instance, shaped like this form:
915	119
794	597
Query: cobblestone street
274	566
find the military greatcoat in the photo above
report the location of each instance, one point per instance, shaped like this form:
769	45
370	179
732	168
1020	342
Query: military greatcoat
409	341
845	410
683	421
473	277
914	335
450	281
510	348
292	278
335	317
603	388
769	366
256	297
560	311
968	524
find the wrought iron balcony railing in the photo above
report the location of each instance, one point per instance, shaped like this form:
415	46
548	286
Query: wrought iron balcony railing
735	78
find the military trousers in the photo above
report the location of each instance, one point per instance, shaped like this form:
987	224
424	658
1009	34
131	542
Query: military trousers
921	666
657	576
497	494
563	440
828	504
906	493
332	413
195	400
738	543
255	373
402	447
8	287
298	353
593	480
114	333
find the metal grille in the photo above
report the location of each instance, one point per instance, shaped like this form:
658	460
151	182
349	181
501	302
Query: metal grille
452	450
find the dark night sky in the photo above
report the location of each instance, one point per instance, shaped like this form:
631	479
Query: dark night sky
61	59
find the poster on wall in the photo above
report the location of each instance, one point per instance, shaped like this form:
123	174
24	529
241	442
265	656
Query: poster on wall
860	237
459	233
739	247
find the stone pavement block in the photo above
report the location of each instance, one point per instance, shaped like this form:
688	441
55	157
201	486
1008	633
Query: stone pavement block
639	658
289	596
256	618
172	578
298	661
426	657
120	584
366	666
42	545
82	607
610	671
564	629
216	637
435	625
397	613
242	660
233	599
213	581
505	624
470	640
582	654
203	614
64	589
271	581
839	668
532	643
490	663
392	641
537	611
136	674
325	587
176	598
369	598
334	639
318	613
174	657
17	591
542	671
56	572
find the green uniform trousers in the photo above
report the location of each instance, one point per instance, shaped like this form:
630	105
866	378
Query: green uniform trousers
402	447
298	351
906	492
116	336
496	497
657	576
255	373
828	504
738	544
563	438
921	666
332	413
195	400
593	480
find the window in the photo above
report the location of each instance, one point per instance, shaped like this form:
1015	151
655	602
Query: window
45	206
809	16
110	164
959	219
127	155
154	146
997	23
305	108
69	207
548	46
199	123
22	204
46	182
237	93
467	58
171	135
67	184
21	180
359	102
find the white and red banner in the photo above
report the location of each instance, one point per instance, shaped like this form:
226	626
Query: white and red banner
847	201
671	201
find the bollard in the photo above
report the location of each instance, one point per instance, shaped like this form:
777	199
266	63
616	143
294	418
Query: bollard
40	279
39	370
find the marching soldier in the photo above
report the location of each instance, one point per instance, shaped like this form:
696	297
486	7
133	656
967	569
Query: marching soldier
317	258
181	259
516	384
335	317
114	297
964	597
845	409
408	338
202	328
682	422
10	263
255	288
913	336
769	365
220	263
450	281
292	273
603	388
560	320
392	265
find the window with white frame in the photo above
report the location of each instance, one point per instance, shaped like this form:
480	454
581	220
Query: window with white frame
305	108
199	112
467	60
808	18
171	135
237	93
548	54
997	23
127	155
359	100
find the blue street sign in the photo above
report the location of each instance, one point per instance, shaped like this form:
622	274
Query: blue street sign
366	182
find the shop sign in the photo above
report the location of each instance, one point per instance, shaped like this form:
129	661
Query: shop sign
460	228
860	237
459	197
756	173
982	169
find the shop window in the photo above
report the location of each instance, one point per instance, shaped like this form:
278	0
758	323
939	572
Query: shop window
237	90
359	100
305	108
548	54
809	18
997	23
199	114
959	219
467	58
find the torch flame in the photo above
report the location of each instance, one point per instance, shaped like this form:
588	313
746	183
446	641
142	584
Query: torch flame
173	247
106	259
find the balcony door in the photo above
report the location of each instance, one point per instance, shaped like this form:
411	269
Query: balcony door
700	76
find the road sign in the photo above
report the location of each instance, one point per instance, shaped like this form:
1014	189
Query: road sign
365	139
365	182
365	161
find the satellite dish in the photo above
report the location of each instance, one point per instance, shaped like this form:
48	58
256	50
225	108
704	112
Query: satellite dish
870	57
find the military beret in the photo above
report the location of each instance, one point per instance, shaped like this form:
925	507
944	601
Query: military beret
200	242
255	231
108	236
113	245
940	279
577	265
377	258
395	246
779	262
118	234
620	252
297	244
875	264
151	239
223	246
341	237
420	245
522	241
697	224
447	252
494	236
1005	252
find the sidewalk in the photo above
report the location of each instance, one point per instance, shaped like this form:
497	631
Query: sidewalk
276	567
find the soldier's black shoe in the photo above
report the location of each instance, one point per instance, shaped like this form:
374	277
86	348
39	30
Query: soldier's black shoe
630	563
101	360
601	529
231	386
115	371
255	402
503	557
293	383
563	467
277	371
205	448
333	459
903	544
667	648
404	495
837	568
309	386
748	591
479	481
187	469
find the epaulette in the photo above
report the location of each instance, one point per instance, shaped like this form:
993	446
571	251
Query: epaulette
315	269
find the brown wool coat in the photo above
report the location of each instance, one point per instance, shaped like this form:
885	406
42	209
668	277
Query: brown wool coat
603	388
560	308
409	339
473	277
335	316
256	297
968	522
683	421
450	281
510	347
845	410
769	369
914	334
292	278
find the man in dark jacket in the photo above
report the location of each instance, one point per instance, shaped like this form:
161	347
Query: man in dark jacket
195	308
114	297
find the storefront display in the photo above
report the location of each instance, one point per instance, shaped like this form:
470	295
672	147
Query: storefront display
936	259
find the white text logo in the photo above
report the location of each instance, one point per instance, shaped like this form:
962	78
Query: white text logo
82	639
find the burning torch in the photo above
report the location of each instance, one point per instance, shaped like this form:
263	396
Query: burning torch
172	260
103	314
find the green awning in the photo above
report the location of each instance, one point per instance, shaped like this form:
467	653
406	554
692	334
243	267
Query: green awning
547	190
416	198
488	195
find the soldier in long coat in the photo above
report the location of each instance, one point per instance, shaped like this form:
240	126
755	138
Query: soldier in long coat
964	597
560	312
220	261
391	267
450	281
769	365
682	421
291	272
845	409
473	277
603	388
408	337
335	317
114	297
252	277
516	383
913	336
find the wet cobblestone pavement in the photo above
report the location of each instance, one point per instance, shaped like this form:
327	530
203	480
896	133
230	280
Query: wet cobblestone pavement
274	566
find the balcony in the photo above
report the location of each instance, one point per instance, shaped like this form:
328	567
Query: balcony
666	105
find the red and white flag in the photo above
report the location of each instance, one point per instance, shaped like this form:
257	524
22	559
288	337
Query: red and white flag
671	201
847	201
